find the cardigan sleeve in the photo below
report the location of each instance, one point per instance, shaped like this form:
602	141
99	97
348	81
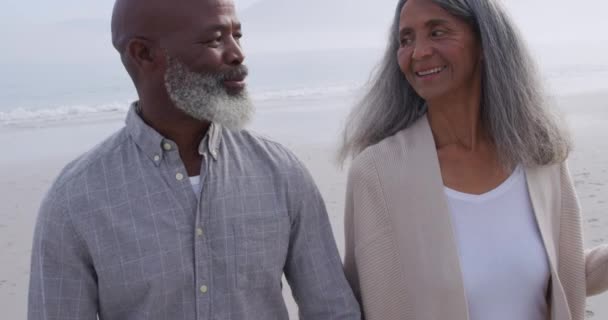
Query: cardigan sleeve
595	259
371	259
359	188
350	267
596	269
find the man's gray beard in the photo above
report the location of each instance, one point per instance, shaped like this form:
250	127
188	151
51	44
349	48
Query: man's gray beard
204	97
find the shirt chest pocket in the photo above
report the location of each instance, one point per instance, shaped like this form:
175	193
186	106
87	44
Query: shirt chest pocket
261	246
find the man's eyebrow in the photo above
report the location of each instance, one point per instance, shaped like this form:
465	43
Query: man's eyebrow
220	26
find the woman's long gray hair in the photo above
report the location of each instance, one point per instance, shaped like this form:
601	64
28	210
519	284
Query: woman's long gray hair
513	109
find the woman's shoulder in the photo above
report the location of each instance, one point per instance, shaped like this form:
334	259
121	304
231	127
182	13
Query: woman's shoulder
553	172
365	165
395	145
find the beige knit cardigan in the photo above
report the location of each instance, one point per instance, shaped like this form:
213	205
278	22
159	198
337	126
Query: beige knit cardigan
401	257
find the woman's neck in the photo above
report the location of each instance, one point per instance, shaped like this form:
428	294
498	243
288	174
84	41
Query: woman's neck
456	120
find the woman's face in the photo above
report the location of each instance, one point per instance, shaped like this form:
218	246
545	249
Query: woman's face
439	54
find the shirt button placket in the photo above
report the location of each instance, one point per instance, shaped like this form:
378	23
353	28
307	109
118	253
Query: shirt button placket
202	260
204	292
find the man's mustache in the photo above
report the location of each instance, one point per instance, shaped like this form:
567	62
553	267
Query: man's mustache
237	73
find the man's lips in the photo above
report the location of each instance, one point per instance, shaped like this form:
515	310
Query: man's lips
236	83
234	79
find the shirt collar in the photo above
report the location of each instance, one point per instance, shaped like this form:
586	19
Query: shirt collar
155	146
212	139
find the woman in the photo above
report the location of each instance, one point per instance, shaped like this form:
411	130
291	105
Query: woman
459	201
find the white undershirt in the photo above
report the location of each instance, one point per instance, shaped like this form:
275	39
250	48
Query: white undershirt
503	260
196	185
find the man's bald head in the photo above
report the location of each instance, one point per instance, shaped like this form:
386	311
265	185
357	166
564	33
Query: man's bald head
153	19
147	19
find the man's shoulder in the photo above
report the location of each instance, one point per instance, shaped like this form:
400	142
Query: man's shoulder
263	148
91	160
69	191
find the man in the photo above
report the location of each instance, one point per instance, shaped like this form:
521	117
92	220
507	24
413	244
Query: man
182	215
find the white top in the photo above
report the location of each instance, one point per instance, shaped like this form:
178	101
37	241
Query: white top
504	264
196	184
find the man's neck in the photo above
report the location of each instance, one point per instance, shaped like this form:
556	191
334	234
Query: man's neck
185	131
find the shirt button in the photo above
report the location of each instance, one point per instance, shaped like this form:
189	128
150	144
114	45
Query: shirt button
204	289
199	231
179	177
156	158
167	146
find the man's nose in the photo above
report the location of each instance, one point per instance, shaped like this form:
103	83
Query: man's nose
234	53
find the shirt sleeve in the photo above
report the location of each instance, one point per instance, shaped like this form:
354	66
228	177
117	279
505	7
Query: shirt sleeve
62	281
313	267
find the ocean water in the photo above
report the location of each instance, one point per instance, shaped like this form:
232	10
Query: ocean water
54	92
39	92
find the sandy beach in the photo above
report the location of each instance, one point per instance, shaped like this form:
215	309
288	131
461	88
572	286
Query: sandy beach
35	153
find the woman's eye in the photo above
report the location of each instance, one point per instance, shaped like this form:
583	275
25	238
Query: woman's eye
405	42
437	33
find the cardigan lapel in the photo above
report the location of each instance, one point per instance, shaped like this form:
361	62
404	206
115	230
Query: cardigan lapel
424	232
544	188
423	228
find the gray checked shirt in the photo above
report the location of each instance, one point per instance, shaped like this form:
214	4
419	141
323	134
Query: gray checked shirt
122	235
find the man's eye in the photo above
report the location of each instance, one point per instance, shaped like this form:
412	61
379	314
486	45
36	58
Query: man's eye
213	38
213	42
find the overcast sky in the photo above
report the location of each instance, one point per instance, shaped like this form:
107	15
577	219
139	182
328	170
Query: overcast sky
69	31
59	31
23	12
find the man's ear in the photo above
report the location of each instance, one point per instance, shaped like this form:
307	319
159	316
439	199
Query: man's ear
142	54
